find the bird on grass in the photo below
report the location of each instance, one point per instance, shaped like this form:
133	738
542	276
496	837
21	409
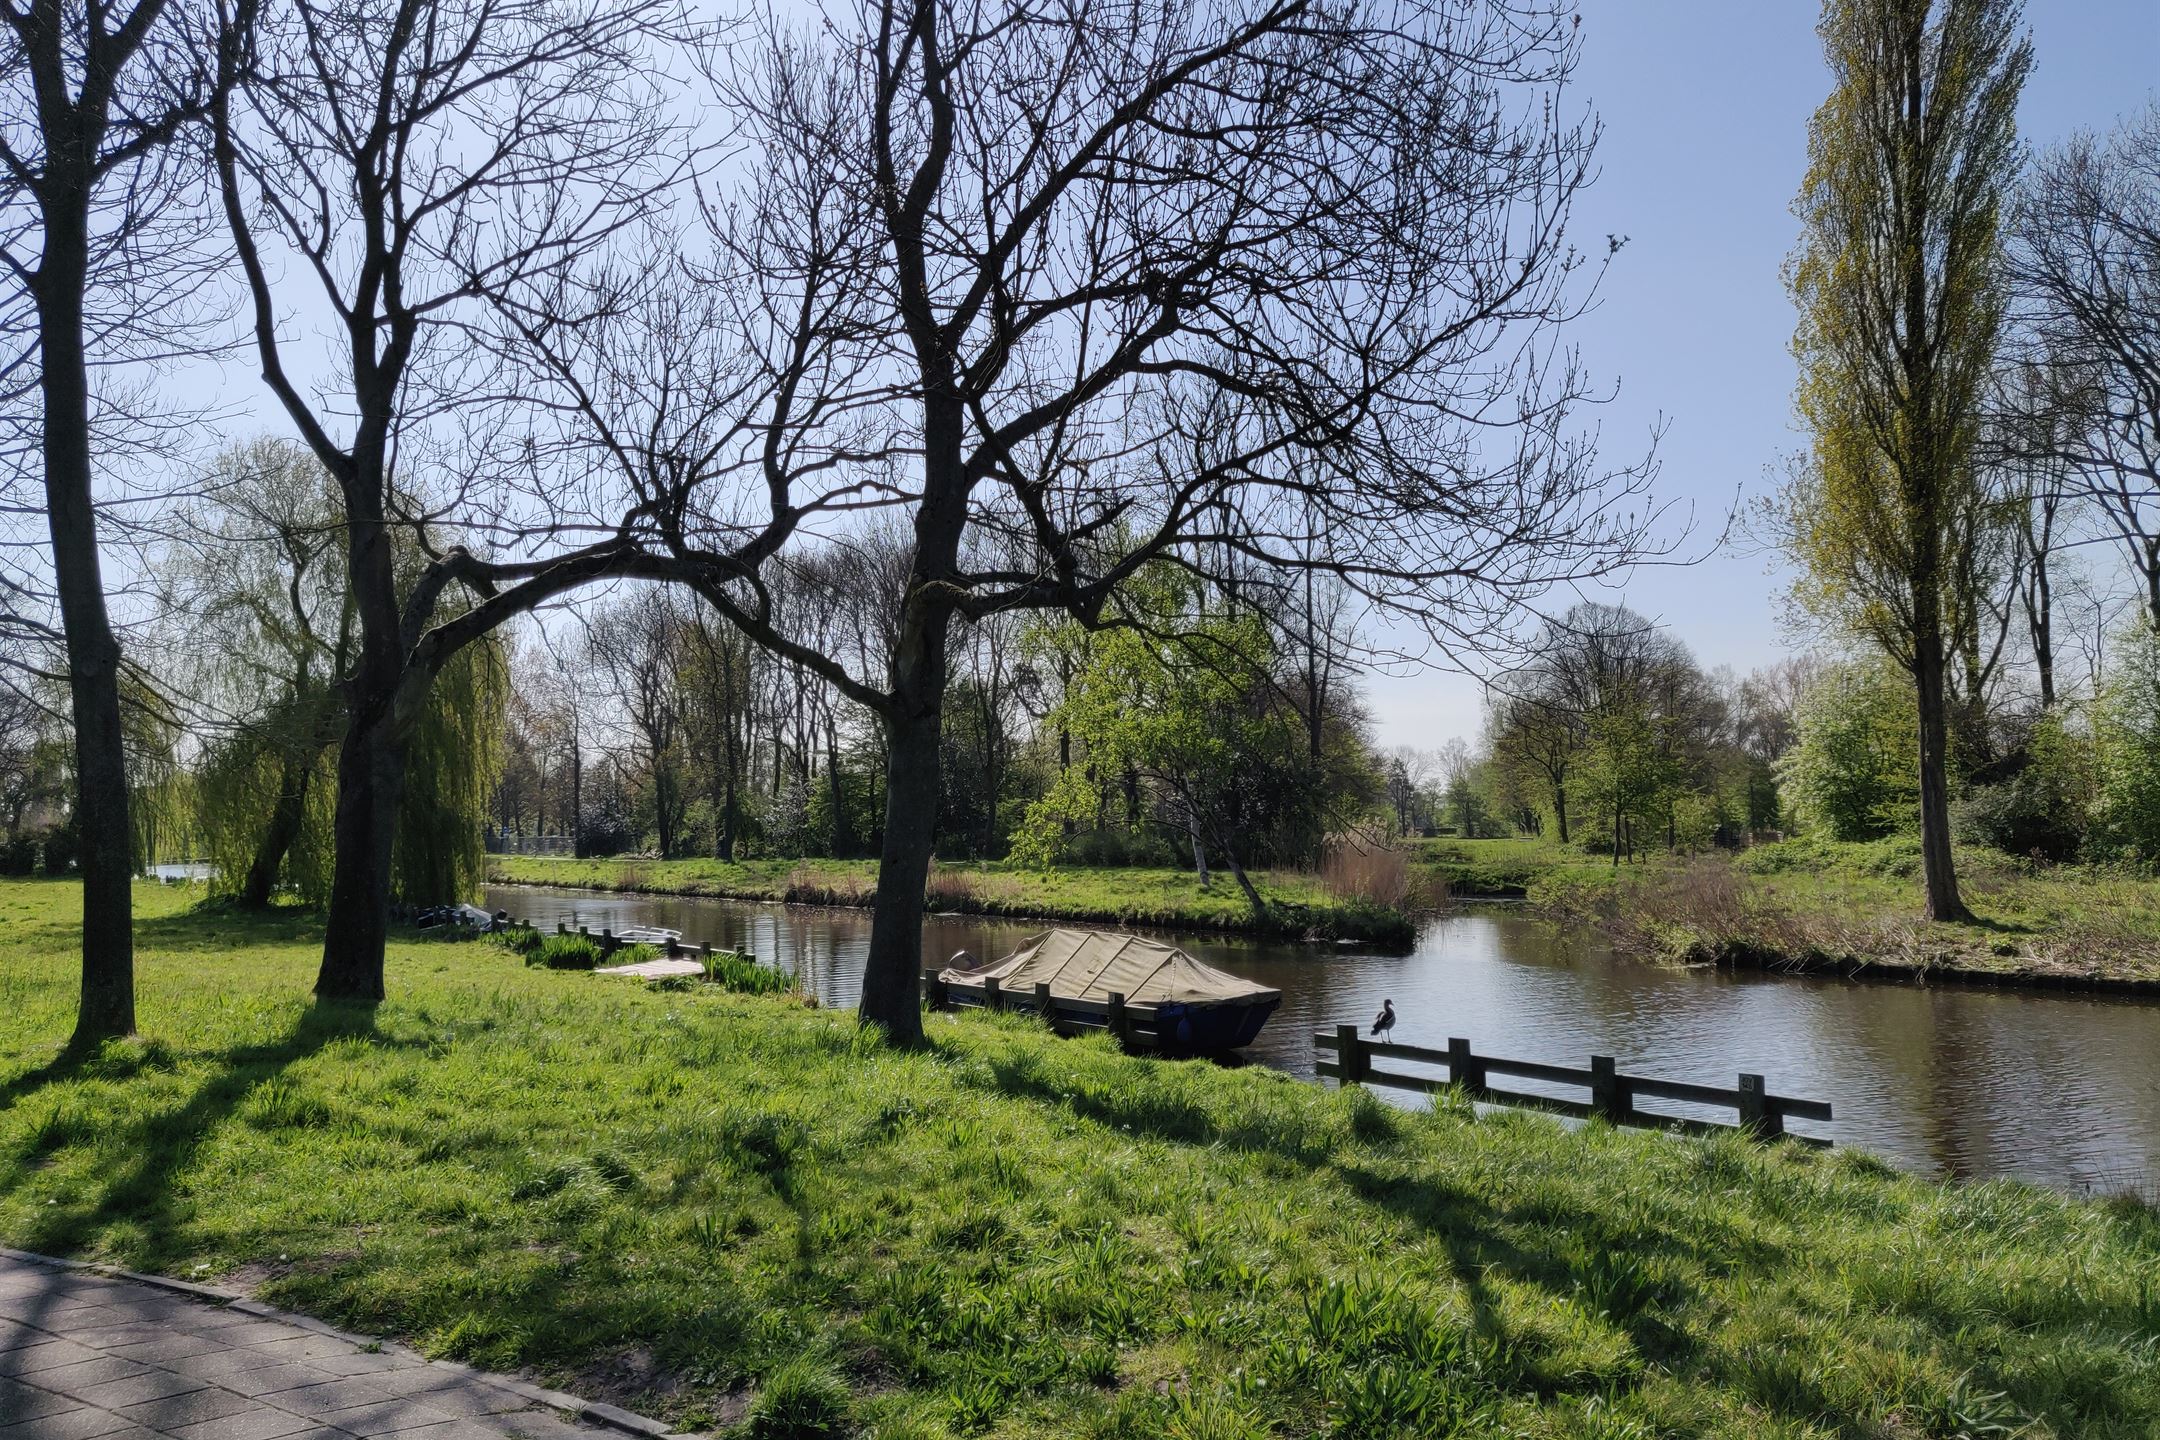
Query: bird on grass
1385	1020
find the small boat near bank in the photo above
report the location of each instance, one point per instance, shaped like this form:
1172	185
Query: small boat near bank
1094	979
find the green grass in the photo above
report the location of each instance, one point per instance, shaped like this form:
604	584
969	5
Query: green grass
1126	895
1808	904
1502	867
738	1212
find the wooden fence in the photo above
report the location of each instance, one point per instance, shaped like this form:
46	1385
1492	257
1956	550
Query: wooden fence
1613	1096
1133	1025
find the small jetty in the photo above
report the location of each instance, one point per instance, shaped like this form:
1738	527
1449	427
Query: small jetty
1142	991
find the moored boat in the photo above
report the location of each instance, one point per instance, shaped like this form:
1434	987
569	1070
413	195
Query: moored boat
1176	1001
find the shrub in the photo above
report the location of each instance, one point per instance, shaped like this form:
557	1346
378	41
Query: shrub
1853	771
565	952
19	855
2040	810
2126	733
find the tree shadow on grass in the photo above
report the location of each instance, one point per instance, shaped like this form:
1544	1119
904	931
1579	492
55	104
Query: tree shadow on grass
1608	1277
1161	1115
160	1142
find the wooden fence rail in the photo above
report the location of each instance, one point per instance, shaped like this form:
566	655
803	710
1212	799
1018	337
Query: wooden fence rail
1612	1094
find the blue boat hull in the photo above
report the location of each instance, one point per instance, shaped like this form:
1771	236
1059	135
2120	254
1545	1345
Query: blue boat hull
1200	1029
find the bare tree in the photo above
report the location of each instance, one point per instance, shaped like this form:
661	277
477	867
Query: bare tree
415	159
95	97
2085	263
1250	290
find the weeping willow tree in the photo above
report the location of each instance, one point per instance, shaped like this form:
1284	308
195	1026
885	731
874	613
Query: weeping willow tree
450	771
456	758
267	643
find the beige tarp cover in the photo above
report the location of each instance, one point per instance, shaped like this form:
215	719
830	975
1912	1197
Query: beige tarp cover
1089	964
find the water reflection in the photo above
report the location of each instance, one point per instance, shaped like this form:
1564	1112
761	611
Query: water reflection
2055	1087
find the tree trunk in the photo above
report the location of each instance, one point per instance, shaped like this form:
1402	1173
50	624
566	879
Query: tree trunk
891	975
371	781
2040	622
286	817
101	794
1938	865
1559	807
843	843
371	762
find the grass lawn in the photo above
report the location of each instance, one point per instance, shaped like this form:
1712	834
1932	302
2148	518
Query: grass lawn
1129	895
1806	904
736	1212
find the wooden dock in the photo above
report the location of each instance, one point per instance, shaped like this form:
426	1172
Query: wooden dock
1612	1096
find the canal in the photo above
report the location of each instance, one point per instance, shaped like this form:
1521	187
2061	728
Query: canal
2050	1086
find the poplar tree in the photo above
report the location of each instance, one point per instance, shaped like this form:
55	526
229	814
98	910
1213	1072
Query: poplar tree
1898	278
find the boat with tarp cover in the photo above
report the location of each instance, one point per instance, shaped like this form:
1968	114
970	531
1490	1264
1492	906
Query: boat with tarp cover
1179	1002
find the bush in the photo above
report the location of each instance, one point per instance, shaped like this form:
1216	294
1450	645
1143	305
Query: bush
19	855
2042	809
565	952
60	848
2126	734
1854	770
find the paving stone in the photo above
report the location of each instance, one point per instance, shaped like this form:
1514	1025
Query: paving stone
218	1364
367	1362
86	1357
321	1399
86	1423
475	1397
168	1347
273	1378
27	1402
170	1412
71	1378
249	1330
255	1424
304	1347
389	1417
150	1385
50	1356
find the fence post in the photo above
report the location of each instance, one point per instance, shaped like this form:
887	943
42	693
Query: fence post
1463	1068
1120	1027
933	988
1608	1098
1042	1002
992	999
1349	1054
562	927
1756	1116
674	944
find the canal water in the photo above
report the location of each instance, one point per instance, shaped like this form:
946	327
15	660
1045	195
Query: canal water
2050	1086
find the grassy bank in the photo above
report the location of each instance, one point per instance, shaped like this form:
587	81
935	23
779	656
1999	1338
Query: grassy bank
1131	895
733	1211
1815	905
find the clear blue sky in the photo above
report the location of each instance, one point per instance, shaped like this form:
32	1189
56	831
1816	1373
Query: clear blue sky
1705	105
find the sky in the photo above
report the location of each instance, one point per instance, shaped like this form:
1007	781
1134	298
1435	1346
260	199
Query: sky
1705	105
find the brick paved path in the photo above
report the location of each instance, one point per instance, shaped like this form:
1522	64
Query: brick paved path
83	1355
